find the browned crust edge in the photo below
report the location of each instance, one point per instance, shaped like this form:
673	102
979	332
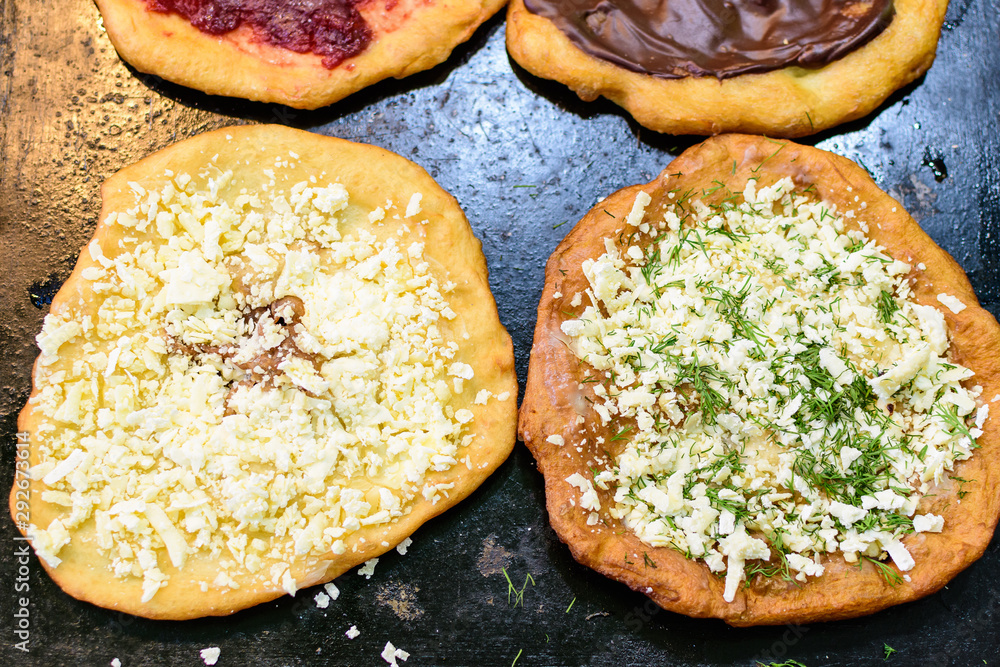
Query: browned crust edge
687	586
413	36
489	351
790	102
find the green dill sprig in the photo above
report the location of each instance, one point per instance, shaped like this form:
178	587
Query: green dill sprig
775	266
962	492
518	594
652	268
888	573
732	505
622	434
956	425
768	570
886	306
730	307
698	377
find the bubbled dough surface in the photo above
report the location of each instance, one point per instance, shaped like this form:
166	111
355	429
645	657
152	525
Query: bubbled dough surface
789	102
370	175
408	36
552	402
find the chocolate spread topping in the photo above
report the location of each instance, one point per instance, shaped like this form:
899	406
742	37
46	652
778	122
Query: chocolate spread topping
330	28
723	38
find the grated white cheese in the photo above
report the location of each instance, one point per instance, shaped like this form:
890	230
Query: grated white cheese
210	655
642	200
928	523
953	303
779	385
257	383
331	590
352	632
368	569
390	654
403	546
413	207
589	499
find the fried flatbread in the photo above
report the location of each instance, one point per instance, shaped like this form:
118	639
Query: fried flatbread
788	102
561	428
409	36
276	359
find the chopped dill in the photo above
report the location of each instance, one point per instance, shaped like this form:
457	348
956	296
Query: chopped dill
890	575
513	591
775	266
621	434
887	307
962	492
956	425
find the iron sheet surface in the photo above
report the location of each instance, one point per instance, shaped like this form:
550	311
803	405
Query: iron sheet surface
526	159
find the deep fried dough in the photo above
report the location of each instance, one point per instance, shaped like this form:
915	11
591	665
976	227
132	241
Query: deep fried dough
556	399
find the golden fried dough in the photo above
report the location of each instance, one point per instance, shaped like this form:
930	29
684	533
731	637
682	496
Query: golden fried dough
577	447
788	102
276	359
409	36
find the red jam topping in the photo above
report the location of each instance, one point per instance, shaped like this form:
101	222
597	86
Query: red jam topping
333	29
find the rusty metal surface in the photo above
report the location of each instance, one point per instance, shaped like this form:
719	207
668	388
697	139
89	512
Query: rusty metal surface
526	159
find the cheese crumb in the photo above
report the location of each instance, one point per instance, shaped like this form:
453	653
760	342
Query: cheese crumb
368	569
210	655
322	600
331	590
390	654
639	205
589	499
953	303
928	523
900	555
403	546
413	207
352	632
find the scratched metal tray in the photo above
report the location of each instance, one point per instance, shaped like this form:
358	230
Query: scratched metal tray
526	159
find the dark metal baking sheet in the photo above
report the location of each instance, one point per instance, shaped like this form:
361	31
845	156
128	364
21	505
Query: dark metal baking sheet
526	159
